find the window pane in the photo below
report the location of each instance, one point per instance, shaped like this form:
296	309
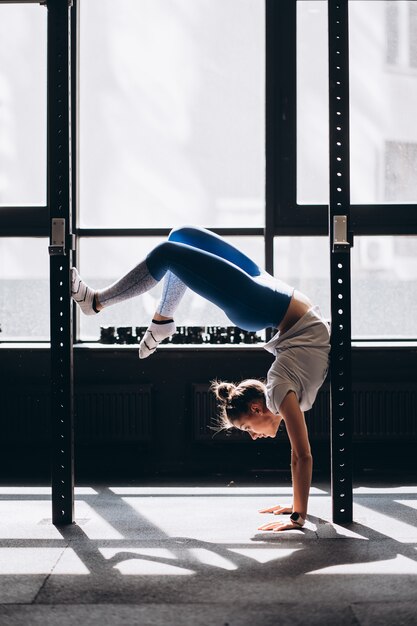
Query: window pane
384	287
22	105
384	281
172	113
383	101
383	104
104	260
24	289
312	103
303	262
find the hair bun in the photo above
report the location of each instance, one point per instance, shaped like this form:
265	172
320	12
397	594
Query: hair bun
223	391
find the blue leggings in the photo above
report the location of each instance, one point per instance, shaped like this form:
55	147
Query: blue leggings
220	273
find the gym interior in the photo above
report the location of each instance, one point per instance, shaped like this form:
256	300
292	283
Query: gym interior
288	127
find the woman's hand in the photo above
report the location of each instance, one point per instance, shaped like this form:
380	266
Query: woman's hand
278	526
277	510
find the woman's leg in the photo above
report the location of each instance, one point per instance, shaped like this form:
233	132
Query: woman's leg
139	279
248	303
162	325
134	283
174	289
204	239
172	293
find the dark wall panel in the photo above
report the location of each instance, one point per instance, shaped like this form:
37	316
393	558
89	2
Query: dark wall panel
155	417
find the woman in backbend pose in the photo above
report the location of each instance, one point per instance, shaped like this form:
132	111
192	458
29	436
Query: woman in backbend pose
252	300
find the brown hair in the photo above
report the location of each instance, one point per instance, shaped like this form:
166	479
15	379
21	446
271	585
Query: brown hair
234	399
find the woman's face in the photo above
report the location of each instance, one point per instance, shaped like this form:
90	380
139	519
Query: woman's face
258	423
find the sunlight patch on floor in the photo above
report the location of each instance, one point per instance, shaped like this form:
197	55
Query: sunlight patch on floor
23	519
411	503
31	561
384	490
209	491
384	524
43	491
208	557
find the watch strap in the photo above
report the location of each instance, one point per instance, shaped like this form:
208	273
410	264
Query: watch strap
297	519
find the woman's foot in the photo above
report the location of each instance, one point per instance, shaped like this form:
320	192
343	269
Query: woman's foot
83	295
157	331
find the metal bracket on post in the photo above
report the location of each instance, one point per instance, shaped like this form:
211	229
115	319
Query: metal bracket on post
340	234
57	237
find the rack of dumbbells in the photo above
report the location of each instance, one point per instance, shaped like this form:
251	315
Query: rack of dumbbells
192	335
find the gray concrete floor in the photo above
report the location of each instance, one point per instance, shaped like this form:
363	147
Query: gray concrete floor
193	555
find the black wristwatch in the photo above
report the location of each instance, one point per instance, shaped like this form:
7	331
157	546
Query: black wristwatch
297	519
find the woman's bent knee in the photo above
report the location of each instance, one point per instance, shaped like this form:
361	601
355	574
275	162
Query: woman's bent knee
180	233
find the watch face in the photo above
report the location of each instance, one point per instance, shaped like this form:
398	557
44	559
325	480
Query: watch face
294	516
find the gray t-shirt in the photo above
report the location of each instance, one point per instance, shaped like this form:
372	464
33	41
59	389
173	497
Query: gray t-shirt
301	363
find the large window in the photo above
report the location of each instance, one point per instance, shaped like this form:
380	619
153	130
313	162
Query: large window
172	131
24	287
383	159
179	102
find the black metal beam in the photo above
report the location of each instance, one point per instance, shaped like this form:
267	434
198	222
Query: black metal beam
24	221
59	203
366	219
304	220
280	112
340	243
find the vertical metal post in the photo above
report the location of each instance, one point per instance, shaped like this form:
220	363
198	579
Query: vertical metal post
74	126
59	203
340	243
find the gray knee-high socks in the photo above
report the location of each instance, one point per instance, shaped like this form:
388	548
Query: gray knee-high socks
157	331
134	283
172	294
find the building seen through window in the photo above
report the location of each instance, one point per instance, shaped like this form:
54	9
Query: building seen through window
401	33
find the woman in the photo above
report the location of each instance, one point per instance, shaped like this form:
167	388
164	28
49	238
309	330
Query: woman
252	299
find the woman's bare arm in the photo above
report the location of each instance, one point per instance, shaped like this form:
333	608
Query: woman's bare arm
301	459
301	462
